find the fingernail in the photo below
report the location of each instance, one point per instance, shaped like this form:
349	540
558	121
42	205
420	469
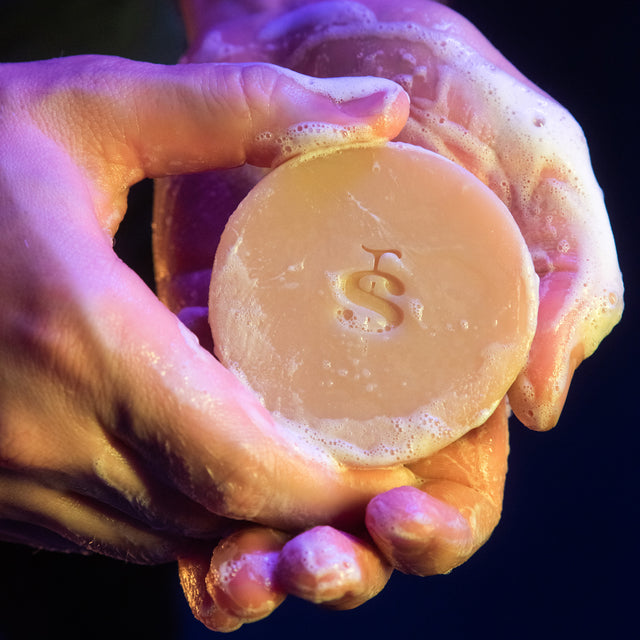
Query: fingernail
247	586
366	106
388	106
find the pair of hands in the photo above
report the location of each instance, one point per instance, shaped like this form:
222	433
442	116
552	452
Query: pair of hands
471	105
119	434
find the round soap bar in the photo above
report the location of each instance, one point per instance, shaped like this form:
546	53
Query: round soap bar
380	300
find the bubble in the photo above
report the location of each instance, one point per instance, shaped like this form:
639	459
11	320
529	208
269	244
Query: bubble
416	308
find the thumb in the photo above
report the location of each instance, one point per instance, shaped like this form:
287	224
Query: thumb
571	324
125	120
223	115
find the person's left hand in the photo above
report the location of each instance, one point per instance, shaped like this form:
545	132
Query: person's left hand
118	433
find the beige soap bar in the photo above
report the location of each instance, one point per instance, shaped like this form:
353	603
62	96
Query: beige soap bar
380	300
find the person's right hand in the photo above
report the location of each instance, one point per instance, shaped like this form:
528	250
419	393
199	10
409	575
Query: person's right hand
424	530
472	106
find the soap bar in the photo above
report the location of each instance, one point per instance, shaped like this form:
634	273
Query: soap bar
379	300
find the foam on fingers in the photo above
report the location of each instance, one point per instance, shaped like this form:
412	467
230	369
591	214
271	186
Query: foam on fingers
418	533
330	567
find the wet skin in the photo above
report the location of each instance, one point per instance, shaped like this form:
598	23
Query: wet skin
469	104
115	426
118	434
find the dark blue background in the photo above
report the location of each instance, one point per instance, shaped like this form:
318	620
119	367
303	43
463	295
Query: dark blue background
563	563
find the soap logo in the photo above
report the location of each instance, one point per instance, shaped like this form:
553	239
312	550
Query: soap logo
368	291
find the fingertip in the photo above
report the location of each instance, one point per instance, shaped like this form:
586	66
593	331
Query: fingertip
417	533
385	107
192	571
241	579
317	564
234	584
396	114
324	113
538	395
329	567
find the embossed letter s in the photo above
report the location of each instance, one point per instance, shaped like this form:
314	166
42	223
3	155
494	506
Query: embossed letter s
360	288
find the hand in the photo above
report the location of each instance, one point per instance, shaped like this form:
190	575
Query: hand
472	106
513	147
422	531
118	433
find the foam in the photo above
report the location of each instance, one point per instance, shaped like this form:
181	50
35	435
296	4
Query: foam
525	146
413	437
310	136
407	438
260	567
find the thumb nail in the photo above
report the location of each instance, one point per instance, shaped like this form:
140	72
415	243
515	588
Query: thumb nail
366	106
388	106
360	97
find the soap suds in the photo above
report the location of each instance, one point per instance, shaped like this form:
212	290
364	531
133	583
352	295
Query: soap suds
509	134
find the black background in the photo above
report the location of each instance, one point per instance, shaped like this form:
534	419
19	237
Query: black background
563	563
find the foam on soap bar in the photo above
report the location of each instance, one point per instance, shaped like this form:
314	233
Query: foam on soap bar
380	300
